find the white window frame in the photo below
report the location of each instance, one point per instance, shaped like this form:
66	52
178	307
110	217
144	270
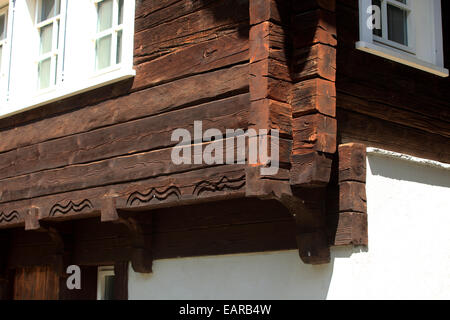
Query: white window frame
3	42
102	273
69	84
4	60
394	51
57	53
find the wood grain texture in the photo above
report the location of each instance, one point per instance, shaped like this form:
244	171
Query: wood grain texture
149	133
314	96
373	132
310	168
36	283
346	197
316	132
210	183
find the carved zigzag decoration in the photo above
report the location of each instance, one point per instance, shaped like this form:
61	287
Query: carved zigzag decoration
152	194
71	206
14	215
224	183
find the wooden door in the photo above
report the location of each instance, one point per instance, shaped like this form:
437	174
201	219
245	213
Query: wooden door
36	283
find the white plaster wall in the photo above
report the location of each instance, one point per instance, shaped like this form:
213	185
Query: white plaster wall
408	255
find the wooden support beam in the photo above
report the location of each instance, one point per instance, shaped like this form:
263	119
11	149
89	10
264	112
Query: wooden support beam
121	280
4	274
308	210
139	231
63	248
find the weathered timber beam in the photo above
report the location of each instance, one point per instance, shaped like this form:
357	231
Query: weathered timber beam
347	204
140	234
209	184
307	208
62	251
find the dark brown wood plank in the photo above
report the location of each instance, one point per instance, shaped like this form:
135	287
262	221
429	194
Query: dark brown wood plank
354	127
221	15
36	283
218	52
140	135
171	96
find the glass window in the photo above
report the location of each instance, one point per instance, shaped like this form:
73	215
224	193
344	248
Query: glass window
397	24
3	32
48	25
393	22
48	9
108	43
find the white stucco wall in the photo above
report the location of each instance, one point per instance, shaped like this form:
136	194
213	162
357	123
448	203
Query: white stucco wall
408	255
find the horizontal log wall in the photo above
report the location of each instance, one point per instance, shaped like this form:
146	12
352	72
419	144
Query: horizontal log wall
192	63
386	104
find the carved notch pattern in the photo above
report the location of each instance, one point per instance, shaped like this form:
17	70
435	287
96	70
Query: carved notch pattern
152	194
14	215
71	206
224	183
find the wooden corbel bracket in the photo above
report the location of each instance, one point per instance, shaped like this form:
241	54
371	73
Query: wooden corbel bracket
306	205
311	233
139	231
62	248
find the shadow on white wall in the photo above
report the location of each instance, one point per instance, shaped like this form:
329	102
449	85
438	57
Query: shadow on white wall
408	256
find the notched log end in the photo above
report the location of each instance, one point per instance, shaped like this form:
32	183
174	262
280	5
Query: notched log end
311	169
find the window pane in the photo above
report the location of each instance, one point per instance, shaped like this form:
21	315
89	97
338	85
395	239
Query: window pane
1	52
49	8
57	33
378	32
397	25
53	76
109	288
2	27
105	13
46	39
103	49
119	47
44	73
120	20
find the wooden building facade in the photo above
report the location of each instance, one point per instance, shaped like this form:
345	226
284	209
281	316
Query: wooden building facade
89	180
